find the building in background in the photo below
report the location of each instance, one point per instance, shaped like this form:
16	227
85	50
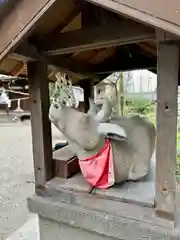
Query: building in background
139	83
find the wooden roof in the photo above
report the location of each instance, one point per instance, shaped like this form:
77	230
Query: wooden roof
86	39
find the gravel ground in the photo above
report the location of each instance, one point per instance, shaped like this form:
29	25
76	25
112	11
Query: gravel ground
16	175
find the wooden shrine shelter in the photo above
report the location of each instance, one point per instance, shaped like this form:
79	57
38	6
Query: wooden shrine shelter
88	40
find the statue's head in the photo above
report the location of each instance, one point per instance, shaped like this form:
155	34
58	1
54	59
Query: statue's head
83	128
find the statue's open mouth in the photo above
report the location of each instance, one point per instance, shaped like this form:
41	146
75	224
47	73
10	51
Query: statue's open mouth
115	136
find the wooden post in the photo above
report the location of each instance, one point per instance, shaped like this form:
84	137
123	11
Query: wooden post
40	124
167	91
88	92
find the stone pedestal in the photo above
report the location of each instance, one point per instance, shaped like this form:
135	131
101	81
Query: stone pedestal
67	211
63	231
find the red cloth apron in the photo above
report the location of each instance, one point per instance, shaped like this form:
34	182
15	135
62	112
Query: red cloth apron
98	170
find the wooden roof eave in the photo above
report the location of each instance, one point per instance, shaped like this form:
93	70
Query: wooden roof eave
154	14
69	65
20	21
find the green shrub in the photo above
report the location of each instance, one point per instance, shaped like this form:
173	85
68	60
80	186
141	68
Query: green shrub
139	106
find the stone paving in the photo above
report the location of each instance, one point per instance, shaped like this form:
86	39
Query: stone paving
16	174
29	231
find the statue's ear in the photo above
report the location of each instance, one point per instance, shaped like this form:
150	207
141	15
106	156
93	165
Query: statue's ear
112	130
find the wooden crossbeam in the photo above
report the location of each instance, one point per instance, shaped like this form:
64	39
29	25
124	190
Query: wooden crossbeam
28	52
18	68
87	86
114	34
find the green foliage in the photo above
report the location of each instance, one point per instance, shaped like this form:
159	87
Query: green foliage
139	106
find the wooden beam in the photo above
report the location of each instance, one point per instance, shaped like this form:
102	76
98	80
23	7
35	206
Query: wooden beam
148	48
40	124
66	22
167	90
87	85
115	34
126	59
19	66
170	13
28	52
102	55
19	22
150	13
147	65
93	16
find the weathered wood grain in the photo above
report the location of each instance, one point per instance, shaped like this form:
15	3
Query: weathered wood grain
167	89
20	21
148	12
112	34
40	123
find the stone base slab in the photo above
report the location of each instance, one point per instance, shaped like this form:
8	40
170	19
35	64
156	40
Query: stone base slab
82	216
